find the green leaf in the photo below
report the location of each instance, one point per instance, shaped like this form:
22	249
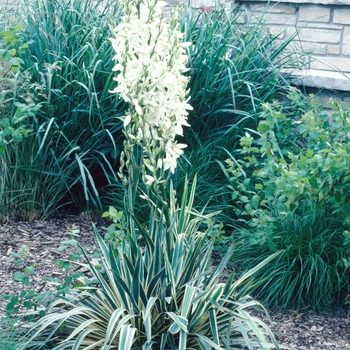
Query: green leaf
264	126
179	323
79	285
75	257
29	270
114	319
21	277
309	153
7	131
17	136
187	301
5	122
259	187
313	182
30	294
6	56
126	337
70	242
27	304
39	296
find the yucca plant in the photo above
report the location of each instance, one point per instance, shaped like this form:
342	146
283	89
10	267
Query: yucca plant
161	294
154	287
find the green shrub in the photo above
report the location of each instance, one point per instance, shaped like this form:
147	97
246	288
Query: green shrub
292	177
299	161
17	114
16	104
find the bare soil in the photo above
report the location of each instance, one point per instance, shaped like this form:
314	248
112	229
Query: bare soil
298	330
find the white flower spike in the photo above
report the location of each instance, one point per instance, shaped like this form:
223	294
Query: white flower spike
151	62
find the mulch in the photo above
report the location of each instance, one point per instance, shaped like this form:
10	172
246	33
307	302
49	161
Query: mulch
296	329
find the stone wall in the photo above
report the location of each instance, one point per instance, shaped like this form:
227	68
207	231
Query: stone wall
323	28
197	3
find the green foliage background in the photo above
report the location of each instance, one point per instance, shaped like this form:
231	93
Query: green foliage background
284	186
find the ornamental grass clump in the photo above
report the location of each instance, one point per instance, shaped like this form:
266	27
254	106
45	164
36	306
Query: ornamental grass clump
235	66
154	287
69	60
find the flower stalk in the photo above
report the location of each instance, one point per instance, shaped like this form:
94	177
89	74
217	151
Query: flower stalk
151	62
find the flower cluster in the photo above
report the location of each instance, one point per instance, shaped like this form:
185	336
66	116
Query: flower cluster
151	62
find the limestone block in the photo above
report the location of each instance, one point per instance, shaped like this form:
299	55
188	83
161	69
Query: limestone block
314	13
290	31
201	3
320	35
341	16
333	49
320	25
272	18
277	31
331	64
322	79
346	41
320	48
274	8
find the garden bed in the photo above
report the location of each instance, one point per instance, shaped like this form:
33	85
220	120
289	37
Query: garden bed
303	329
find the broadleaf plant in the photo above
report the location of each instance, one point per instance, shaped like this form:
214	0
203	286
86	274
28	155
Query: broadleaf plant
289	184
16	111
298	161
